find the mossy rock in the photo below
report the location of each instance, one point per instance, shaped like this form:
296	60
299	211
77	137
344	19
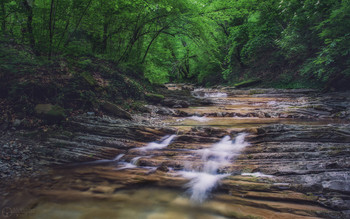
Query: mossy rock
154	98
247	83
89	78
115	110
52	113
140	107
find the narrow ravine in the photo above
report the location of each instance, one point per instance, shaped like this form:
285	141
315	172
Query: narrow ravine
260	153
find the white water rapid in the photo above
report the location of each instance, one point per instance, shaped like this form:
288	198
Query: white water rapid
164	142
156	146
204	180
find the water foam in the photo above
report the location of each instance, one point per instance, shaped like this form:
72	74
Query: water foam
204	180
156	146
219	94
205	93
164	142
199	119
257	174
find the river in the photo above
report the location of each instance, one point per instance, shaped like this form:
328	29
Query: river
259	153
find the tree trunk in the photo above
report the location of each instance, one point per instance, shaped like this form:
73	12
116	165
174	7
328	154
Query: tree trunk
105	35
30	35
150	44
132	41
148	47
131	44
51	27
63	33
3	21
77	25
238	58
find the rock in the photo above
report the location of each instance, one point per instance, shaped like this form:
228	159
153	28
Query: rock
165	111
50	112
102	189
175	103
154	98
90	113
116	111
17	123
163	168
3	126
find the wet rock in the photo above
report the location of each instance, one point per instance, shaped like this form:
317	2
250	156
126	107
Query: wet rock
163	168
338	203
165	111
115	110
154	98
90	113
169	102
4	126
303	158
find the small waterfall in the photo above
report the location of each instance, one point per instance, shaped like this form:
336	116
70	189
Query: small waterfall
164	142
134	160
156	146
118	157
129	165
202	182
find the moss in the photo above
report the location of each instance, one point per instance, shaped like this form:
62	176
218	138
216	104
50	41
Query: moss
88	78
310	196
335	153
115	110
56	111
85	64
31	134
154	98
139	107
247	83
52	113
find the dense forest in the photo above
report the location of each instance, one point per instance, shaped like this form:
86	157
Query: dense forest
288	44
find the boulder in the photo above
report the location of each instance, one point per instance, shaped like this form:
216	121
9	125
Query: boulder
169	102
53	113
248	83
154	98
115	110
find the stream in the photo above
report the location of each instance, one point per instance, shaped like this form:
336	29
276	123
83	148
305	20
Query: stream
259	153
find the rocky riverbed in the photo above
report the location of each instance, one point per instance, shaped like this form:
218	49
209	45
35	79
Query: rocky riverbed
291	163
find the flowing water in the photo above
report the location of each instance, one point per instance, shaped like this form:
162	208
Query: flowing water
208	169
204	179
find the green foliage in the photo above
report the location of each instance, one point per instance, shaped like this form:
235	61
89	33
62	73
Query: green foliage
85	64
156	74
334	56
205	42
